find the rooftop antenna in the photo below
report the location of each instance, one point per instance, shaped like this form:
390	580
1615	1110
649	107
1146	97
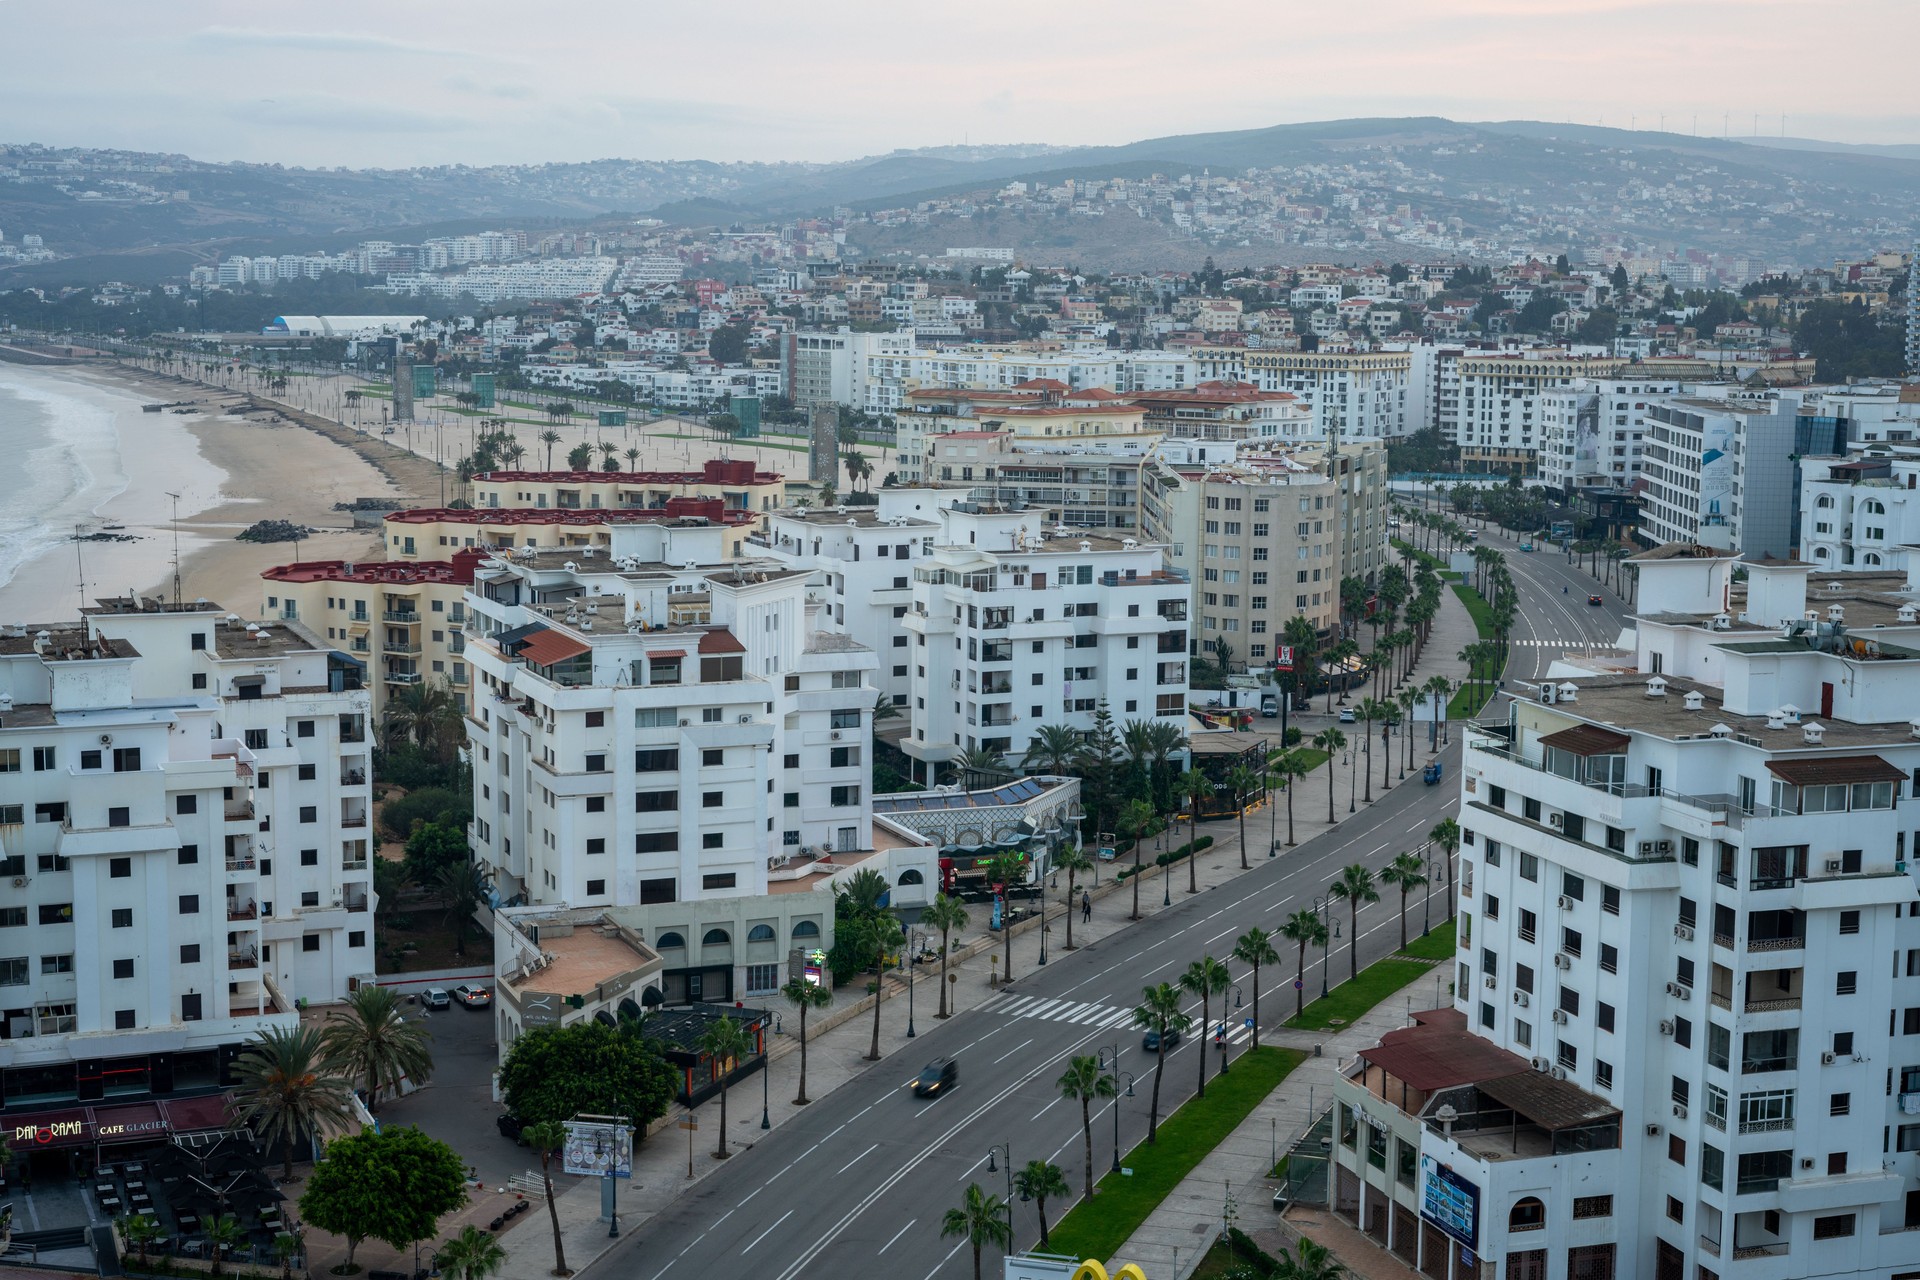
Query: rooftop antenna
80	561
175	521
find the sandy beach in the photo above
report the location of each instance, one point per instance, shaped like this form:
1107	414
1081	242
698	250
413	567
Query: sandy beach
228	472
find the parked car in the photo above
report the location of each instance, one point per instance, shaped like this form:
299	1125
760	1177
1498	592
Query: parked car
472	996
436	998
938	1075
509	1125
1151	1041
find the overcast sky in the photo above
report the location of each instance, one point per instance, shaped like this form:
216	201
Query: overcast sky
357	83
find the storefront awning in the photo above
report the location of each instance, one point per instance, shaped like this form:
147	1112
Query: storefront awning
49	1129
136	1122
190	1115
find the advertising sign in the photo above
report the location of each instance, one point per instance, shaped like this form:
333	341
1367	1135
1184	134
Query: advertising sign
596	1148
1283	657
1449	1202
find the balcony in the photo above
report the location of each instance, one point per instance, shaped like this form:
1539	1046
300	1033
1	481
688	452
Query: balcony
1743	1252
243	862
997	652
235	911
1775	944
353	729
407	647
398	677
248	959
1772	1006
1780	1125
352	778
355	822
239	810
406	617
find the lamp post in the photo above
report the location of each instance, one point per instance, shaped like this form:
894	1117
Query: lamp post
1112	1068
915	940
1006	1147
1041	882
1426	909
1323	906
766	1066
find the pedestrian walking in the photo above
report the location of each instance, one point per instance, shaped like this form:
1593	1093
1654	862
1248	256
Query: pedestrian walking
1086	906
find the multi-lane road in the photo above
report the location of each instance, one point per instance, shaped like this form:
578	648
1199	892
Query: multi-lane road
861	1180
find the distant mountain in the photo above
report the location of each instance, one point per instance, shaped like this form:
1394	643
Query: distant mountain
1506	181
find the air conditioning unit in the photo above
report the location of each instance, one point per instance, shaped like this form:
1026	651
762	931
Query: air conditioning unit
1653	1131
19	882
1555	820
1673	988
1520	998
685	723
1491	981
1684	932
1565	903
835	735
1828	1059
1561	961
1833	866
1666	1026
1540	1064
1679	1111
1681	991
1559	1073
1560	1017
106	739
1547	694
1646	848
1663	846
1806	1162
746	719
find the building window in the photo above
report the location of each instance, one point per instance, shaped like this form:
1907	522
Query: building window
712	799
718	880
123	968
186	804
1833	1227
189	904
123	1020
190	1007
1593	1207
119	868
762	979
1527	1214
190	953
657	890
596	887
122	917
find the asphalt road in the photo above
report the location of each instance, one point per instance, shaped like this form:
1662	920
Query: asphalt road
863	1178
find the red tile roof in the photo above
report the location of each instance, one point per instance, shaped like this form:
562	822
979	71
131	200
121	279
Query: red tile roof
721	640
550	647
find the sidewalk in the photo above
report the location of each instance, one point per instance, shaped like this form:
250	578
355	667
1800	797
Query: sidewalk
1176	1235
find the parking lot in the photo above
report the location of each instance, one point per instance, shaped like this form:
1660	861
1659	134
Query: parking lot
457	1107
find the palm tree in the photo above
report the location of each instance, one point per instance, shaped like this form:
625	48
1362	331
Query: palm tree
1406	873
864	891
807	996
428	715
1206	977
1305	929
1407	699
286	1247
724	1042
474	1254
1446	834
1084	1081
547	1139
1040	1179
1370	710
549	438
138	1231
1053	749
1159	1012
1136	817
1255	948
1196	787
633	458
981	1220
370	1039
1073	860
290	1089
223	1236
948	916
1311	1262
882	936
1439	688
1331	741
463	887
1243	780
1355	887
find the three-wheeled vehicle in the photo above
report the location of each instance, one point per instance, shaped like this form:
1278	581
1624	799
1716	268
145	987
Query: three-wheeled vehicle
1431	774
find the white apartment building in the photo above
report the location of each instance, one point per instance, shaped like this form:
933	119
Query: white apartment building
861	564
1016	626
666	734
184	803
1497	423
1860	512
1591	432
1681	1041
1351	393
1720	473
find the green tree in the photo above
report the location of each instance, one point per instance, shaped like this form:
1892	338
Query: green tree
223	1237
1196	787
728	344
724	1043
1446	834
473	1255
290	1089
557	1073
1406	873
1304	929
286	1247
1206	978
807	996
1355	888
1244	781
1159	1014
580	457
948	916
392	1185
370	1039
882	938
981	1220
433	847
1136	820
1083	1081
463	887
1254	948
138	1232
1333	742
1310	1262
1073	860
548	1139
549	438
1054	749
1038	1181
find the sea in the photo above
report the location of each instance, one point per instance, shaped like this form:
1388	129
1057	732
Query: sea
61	449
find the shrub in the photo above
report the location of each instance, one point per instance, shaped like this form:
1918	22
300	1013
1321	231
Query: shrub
428	804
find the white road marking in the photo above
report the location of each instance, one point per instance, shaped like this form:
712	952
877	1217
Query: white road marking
849	1164
1009	1053
769	1231
896	1236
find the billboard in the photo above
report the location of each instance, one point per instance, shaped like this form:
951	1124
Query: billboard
1449	1202
483	390
596	1148
423	381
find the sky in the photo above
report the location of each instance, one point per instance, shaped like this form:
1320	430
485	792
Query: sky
481	82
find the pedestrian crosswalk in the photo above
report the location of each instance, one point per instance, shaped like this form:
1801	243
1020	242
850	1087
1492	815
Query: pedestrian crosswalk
1092	1016
1566	644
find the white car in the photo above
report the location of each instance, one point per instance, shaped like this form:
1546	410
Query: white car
474	997
1346	715
436	998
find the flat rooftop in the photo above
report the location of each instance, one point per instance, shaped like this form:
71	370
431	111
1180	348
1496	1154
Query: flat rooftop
861	517
1622	702
238	643
64	642
595	951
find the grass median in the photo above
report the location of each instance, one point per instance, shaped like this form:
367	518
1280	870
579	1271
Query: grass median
1437	945
1099	1227
1352	998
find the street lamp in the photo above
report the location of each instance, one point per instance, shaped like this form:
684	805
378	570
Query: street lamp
1426	909
1006	1147
1041	882
915	940
1323	906
1112	1068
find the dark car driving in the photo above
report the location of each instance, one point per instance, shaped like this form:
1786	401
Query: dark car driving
936	1077
1151	1041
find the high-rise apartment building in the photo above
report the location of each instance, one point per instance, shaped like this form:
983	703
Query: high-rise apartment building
1351	393
1682	1035
736	484
1861	512
1719	472
184	846
1591	433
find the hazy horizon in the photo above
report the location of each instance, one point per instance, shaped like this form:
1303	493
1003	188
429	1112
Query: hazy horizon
492	83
